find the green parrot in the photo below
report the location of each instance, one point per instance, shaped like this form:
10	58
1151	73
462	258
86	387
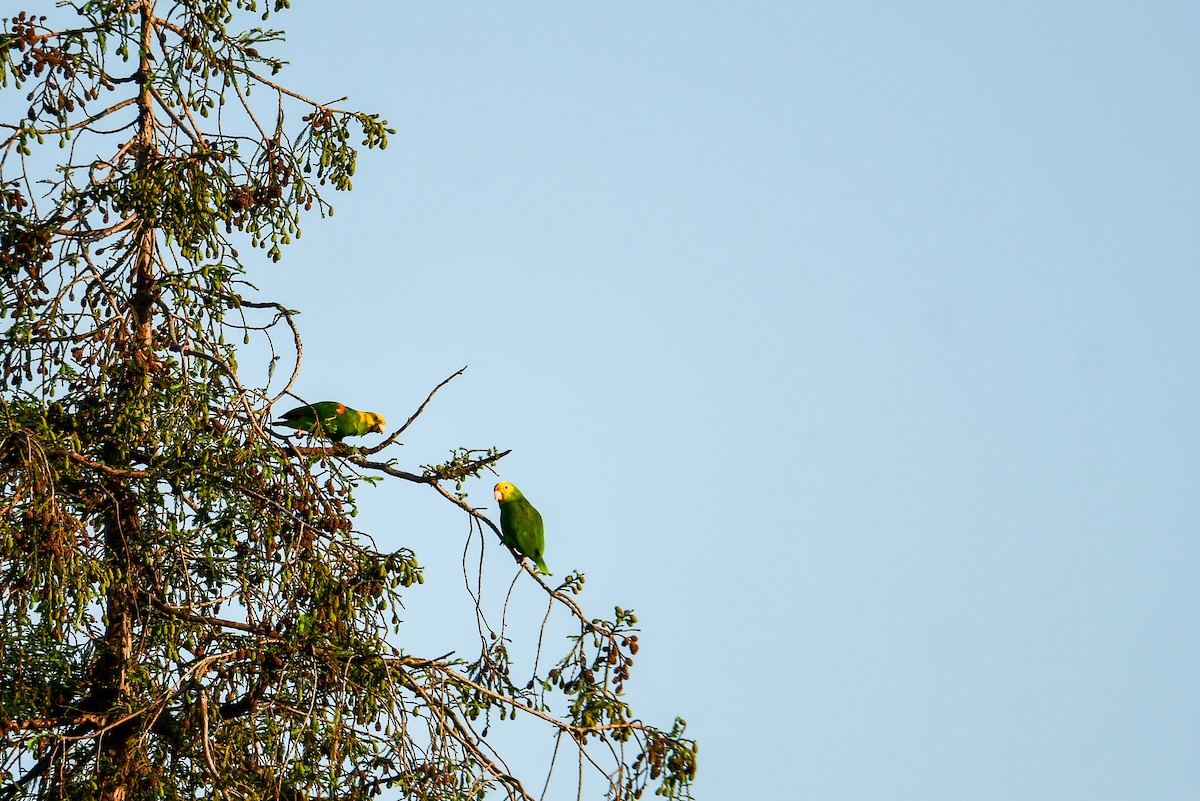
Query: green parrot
332	419
521	525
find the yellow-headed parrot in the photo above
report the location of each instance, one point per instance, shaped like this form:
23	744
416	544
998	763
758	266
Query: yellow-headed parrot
332	419
521	525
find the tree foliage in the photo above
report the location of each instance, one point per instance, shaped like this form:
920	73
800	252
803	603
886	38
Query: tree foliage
186	608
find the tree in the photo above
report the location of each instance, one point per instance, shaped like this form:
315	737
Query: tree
186	609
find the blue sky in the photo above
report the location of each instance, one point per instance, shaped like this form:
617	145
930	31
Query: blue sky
854	345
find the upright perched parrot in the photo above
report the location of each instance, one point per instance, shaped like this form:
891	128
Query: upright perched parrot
333	420
521	525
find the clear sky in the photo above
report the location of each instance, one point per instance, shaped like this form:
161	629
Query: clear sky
855	345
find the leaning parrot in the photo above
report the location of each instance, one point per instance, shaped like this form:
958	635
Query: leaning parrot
332	419
521	525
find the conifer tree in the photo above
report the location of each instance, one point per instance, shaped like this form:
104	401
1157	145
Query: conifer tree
186	608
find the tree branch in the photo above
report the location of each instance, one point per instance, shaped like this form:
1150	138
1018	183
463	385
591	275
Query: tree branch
415	414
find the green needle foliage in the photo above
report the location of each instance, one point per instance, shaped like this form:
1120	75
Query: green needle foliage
186	610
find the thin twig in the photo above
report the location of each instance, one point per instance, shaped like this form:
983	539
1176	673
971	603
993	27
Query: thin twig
415	414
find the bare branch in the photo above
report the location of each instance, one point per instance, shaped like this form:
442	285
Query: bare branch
416	414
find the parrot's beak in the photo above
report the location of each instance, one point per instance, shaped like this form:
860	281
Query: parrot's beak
499	495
